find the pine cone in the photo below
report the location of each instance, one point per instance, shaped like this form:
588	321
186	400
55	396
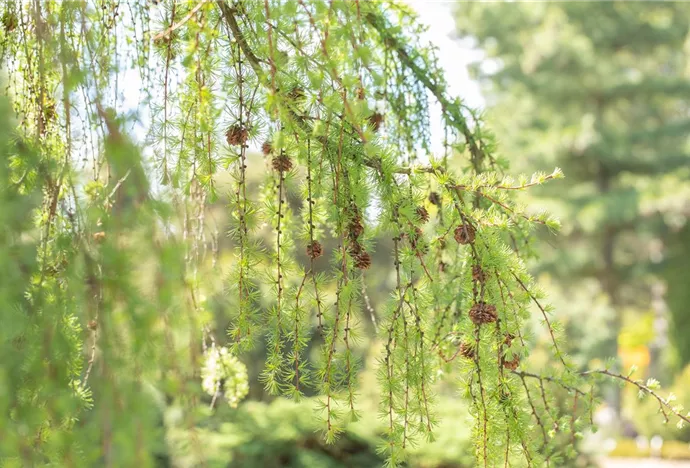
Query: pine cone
50	111
362	259
237	135
356	228
282	163
360	93
513	364
508	339
266	148
314	250
9	21
435	198
423	214
467	350
464	234
376	119
478	274
442	266
482	312
355	249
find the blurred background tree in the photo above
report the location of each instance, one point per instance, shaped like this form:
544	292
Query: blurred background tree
600	89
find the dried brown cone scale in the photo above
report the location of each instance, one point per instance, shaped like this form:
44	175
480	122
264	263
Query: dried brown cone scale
314	249
481	313
423	214
435	198
478	274
360	93
237	135
511	364
266	148
9	21
467	351
161	41
356	228
464	234
362	259
50	111
376	119
354	249
282	163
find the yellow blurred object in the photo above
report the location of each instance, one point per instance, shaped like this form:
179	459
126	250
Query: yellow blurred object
634	356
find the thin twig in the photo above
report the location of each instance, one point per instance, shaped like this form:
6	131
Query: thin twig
178	25
662	402
522	374
546	318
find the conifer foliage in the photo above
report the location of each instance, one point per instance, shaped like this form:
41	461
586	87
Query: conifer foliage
109	257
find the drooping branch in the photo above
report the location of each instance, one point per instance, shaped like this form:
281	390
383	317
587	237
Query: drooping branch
302	121
524	374
229	17
172	28
451	109
664	404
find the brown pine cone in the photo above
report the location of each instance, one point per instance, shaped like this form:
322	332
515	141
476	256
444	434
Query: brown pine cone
467	350
266	148
512	364
464	234
423	214
282	163
482	312
375	120
314	250
237	135
362	259
508	339
9	21
354	248
355	228
435	198
360	93
478	274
